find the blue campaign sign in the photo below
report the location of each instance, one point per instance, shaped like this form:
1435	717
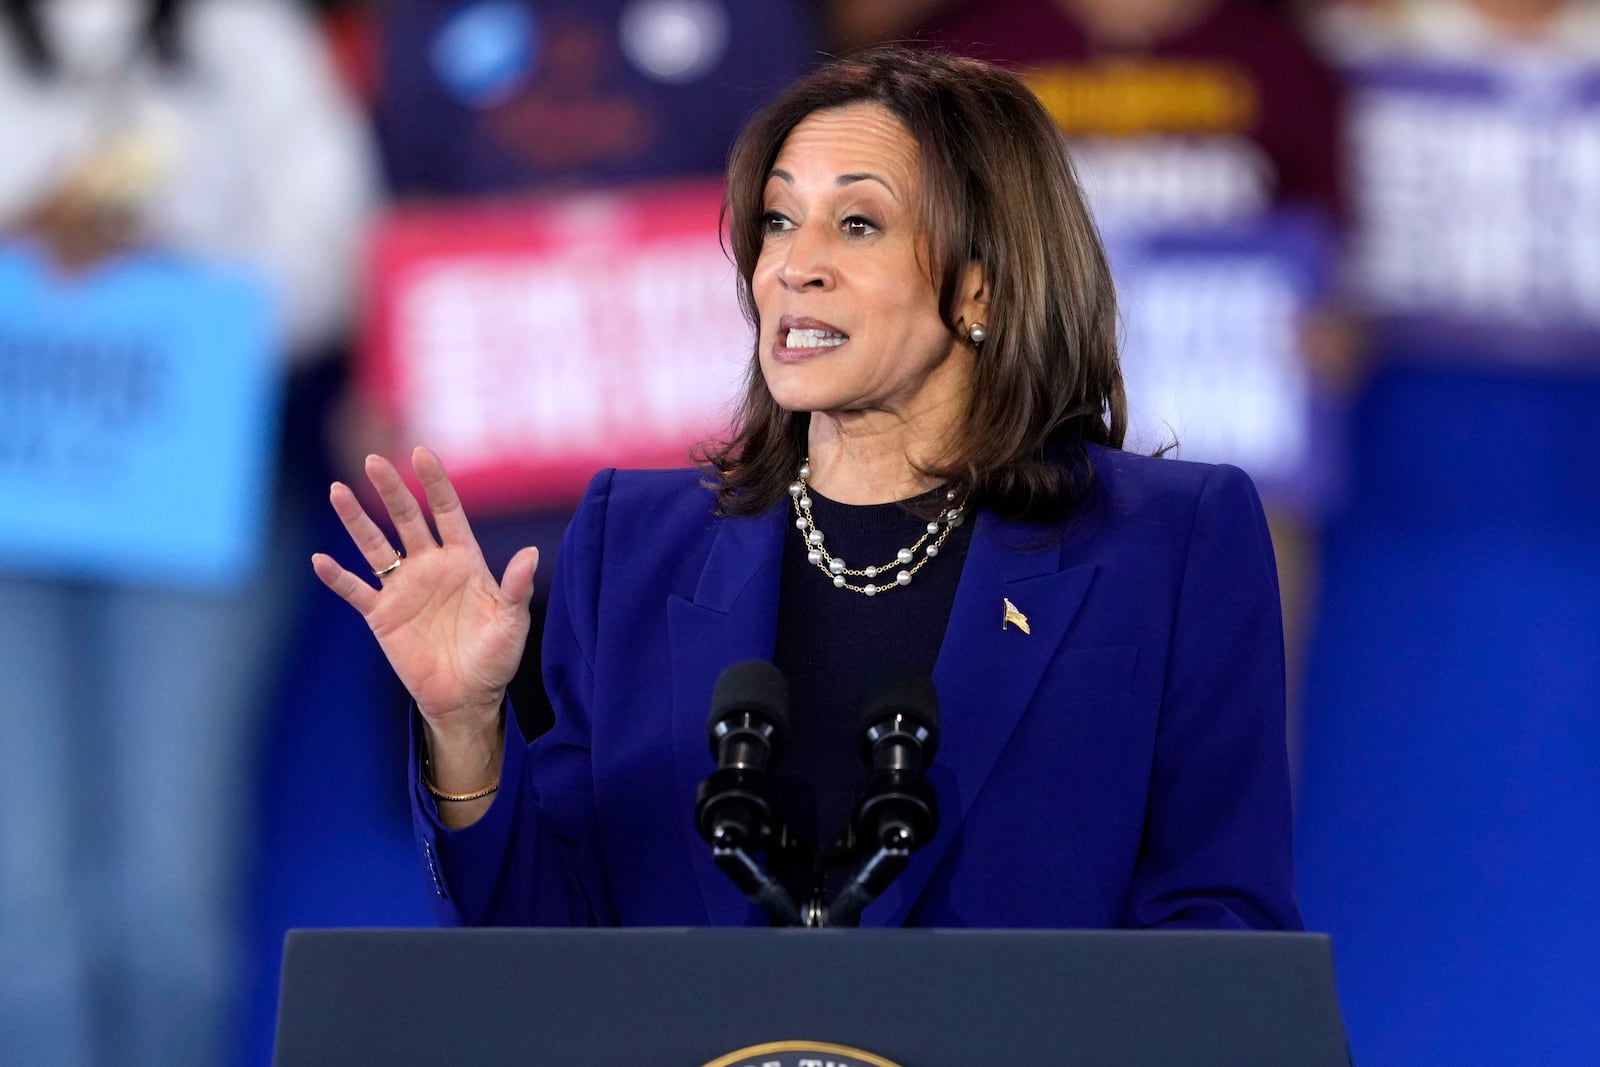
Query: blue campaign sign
138	420
1213	323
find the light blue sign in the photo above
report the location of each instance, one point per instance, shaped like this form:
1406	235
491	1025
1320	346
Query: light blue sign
138	420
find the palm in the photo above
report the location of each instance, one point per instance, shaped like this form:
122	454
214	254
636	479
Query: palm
445	632
453	635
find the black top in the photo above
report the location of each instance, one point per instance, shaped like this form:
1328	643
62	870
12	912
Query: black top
830	642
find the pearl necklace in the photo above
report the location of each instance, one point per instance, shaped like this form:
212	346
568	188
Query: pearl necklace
834	567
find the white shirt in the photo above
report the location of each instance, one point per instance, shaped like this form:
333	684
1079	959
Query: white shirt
250	151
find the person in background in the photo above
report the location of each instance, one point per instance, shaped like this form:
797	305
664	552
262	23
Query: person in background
214	129
1184	112
1448	807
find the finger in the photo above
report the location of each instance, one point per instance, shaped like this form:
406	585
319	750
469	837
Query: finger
353	590
404	511
516	587
443	503
373	542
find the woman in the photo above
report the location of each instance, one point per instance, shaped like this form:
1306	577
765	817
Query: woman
935	339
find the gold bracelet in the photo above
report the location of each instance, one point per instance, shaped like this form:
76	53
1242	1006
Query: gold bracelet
455	798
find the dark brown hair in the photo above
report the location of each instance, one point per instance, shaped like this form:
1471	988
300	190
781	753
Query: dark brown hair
997	189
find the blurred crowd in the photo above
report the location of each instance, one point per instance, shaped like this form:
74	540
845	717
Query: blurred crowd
200	758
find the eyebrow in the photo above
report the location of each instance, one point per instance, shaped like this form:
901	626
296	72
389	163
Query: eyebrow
841	180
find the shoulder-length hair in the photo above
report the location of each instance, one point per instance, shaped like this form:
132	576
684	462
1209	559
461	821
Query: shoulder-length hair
998	190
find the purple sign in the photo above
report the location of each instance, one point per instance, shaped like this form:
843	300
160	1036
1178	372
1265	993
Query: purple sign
1477	189
1212	353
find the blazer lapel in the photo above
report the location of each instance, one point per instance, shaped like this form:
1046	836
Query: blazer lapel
985	675
733	616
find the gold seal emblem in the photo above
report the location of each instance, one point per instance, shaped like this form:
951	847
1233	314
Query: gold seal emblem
800	1054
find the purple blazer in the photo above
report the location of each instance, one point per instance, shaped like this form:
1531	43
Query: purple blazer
1121	765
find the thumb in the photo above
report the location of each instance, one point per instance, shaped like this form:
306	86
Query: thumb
516	587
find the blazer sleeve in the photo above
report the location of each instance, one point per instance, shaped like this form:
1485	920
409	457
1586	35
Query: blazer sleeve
1216	847
533	860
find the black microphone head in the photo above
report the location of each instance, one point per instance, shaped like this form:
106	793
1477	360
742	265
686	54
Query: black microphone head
899	692
754	686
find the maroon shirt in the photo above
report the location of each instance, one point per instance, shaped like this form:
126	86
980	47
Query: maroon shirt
1243	75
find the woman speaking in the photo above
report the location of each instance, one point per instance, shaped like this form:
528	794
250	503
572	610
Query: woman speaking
924	474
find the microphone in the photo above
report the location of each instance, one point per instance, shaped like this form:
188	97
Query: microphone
900	724
749	715
733	808
897	810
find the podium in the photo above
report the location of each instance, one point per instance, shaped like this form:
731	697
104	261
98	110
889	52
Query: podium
911	998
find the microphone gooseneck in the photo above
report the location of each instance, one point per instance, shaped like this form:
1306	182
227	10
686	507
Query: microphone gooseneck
897	810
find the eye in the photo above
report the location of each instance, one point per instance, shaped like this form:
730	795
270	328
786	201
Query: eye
858	226
775	222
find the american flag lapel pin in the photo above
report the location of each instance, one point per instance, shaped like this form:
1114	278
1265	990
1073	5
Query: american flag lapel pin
1012	615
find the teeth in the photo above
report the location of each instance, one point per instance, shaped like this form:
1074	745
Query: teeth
814	339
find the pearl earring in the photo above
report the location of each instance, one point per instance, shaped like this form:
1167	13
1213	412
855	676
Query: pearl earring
977	332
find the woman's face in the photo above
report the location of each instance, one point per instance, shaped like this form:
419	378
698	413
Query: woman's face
849	315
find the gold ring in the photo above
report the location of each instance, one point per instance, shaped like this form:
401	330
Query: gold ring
391	568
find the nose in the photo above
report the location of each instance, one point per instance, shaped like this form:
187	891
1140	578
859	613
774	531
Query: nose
808	261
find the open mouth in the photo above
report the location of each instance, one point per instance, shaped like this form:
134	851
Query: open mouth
800	337
810	338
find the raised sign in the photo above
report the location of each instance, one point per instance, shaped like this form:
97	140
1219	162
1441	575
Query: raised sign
533	342
138	420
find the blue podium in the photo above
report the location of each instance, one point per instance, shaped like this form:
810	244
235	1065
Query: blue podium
732	997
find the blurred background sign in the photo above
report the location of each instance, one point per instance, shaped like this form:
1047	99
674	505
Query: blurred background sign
1213	321
532	342
138	420
1480	215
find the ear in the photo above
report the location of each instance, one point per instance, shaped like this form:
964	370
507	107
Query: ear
973	305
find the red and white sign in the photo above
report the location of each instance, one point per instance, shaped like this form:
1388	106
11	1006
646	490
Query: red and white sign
533	342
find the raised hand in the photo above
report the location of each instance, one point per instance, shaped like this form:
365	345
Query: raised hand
451	632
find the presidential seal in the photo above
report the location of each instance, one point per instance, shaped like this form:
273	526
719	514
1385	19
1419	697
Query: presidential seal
801	1054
